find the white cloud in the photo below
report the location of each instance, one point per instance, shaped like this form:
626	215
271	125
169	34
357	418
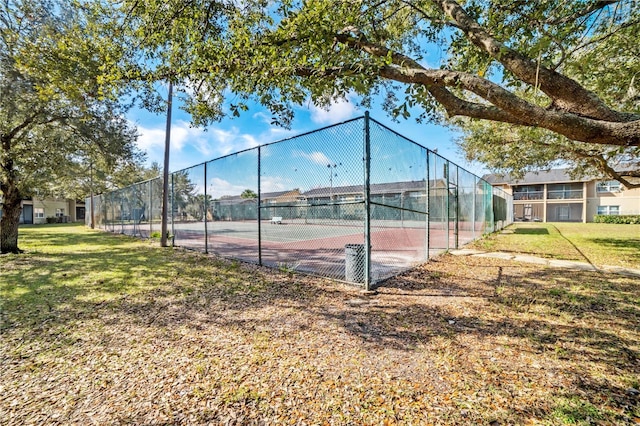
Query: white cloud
262	116
150	138
217	187
274	184
276	133
182	135
340	110
316	157
203	144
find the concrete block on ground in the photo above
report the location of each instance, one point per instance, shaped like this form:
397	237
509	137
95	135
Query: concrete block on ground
465	252
496	255
569	264
629	272
531	259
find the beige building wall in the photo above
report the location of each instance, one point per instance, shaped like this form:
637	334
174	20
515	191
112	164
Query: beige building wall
627	200
612	198
39	210
50	208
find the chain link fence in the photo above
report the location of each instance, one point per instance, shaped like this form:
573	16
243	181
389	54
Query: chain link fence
354	201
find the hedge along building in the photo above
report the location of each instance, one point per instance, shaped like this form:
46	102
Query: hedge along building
554	196
355	201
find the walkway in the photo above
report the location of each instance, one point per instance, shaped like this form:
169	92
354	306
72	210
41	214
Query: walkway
553	263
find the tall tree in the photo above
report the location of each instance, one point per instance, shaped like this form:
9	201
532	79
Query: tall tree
183	191
248	193
52	115
561	75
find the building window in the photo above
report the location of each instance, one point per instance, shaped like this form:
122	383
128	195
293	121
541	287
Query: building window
59	212
38	213
609	186
609	210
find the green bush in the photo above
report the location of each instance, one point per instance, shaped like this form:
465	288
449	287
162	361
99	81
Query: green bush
630	219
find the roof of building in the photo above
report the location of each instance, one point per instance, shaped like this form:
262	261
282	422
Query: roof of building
263	195
376	188
544	176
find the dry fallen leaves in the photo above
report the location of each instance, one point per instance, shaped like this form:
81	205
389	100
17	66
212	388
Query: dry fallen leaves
456	341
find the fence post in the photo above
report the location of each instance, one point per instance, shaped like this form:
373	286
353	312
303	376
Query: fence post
448	201
173	222
473	208
150	212
206	210
427	205
456	229
367	204
259	209
121	193
493	213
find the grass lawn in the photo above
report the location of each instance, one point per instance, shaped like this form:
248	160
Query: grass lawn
106	329
597	243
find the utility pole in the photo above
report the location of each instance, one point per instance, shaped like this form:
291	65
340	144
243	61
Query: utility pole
165	172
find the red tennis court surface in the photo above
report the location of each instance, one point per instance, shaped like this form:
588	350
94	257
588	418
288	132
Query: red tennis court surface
393	250
315	248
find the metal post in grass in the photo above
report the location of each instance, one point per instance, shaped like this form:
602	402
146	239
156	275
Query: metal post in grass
427	206
473	208
150	212
367	204
113	212
165	172
206	210
447	200
173	222
121	192
259	209
91	208
456	197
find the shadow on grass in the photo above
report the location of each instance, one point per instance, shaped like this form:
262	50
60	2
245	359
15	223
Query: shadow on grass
531	231
630	246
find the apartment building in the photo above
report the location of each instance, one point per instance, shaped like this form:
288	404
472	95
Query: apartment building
553	196
35	210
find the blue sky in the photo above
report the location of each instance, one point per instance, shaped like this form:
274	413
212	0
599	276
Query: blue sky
190	146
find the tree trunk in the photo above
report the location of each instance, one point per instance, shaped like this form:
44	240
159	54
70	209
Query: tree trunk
10	220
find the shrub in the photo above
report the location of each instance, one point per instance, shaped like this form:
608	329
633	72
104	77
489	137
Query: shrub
630	219
155	235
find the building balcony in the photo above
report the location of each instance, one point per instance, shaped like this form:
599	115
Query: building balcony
570	194
531	195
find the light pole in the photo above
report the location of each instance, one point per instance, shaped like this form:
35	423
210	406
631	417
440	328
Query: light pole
331	169
332	174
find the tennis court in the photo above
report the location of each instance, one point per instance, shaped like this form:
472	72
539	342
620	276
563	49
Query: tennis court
355	196
306	247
